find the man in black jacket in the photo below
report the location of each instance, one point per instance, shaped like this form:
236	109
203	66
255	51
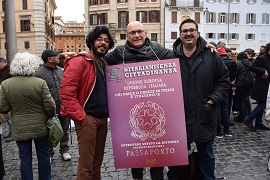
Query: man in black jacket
53	75
205	82
139	48
261	67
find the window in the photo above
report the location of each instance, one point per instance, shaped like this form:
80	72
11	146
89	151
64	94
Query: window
198	17
60	44
71	38
93	19
122	1
153	0
153	36
173	3
234	36
154	16
24	4
222	36
93	2
67	38
265	18
122	36
3	22
141	16
67	45
103	18
265	1
79	45
26	45
141	0
59	38
251	18
235	1
173	35
174	17
72	45
234	18
251	1
122	19
222	18
79	38
104	2
210	35
250	36
211	17
25	23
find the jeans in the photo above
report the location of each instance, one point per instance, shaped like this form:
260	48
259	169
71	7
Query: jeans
223	117
64	147
9	126
257	113
25	153
155	172
206	161
91	142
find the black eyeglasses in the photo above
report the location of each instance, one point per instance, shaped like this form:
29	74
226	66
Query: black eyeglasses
134	32
191	31
100	39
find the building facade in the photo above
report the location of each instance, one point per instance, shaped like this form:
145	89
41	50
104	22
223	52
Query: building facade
116	14
240	24
34	26
69	36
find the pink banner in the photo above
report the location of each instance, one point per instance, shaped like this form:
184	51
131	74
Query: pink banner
147	119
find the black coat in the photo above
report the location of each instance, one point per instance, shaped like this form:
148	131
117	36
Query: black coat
126	53
262	63
207	79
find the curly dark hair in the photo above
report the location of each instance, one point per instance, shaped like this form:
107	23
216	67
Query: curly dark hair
95	33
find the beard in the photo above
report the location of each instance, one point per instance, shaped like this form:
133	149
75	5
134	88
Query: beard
100	54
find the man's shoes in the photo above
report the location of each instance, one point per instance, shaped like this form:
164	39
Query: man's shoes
51	159
261	127
9	139
66	157
231	123
7	136
227	135
219	135
250	126
239	120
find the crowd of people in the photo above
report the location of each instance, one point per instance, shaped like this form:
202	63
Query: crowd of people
35	91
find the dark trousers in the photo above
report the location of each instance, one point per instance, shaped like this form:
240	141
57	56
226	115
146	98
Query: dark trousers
25	153
155	172
91	139
242	93
64	147
2	167
206	164
223	117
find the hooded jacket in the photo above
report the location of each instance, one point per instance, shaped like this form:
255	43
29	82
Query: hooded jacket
77	85
208	78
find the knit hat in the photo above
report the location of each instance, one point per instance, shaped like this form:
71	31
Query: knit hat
222	52
242	55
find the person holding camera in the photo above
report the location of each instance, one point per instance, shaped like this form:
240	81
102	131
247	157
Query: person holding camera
53	74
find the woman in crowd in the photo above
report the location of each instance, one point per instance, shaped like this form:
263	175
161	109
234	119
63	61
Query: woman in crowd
31	104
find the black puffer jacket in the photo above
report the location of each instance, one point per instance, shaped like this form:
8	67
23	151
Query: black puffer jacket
126	53
207	79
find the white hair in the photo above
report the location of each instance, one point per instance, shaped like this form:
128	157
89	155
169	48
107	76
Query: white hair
24	64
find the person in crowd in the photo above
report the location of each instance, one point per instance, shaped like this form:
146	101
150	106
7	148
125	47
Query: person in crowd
4	74
139	48
31	105
221	44
2	167
223	115
262	50
199	65
243	85
234	55
84	99
261	67
53	75
267	118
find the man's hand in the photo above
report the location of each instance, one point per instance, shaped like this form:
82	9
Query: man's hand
265	75
210	101
212	47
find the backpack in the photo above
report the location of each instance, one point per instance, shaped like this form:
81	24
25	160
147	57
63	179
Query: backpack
247	77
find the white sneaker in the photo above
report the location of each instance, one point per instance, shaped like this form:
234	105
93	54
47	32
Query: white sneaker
66	157
268	163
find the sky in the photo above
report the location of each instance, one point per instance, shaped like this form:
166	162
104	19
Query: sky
70	10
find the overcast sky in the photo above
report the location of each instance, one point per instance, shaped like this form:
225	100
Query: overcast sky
70	10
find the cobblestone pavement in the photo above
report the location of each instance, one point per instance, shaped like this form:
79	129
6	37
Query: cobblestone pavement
240	157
